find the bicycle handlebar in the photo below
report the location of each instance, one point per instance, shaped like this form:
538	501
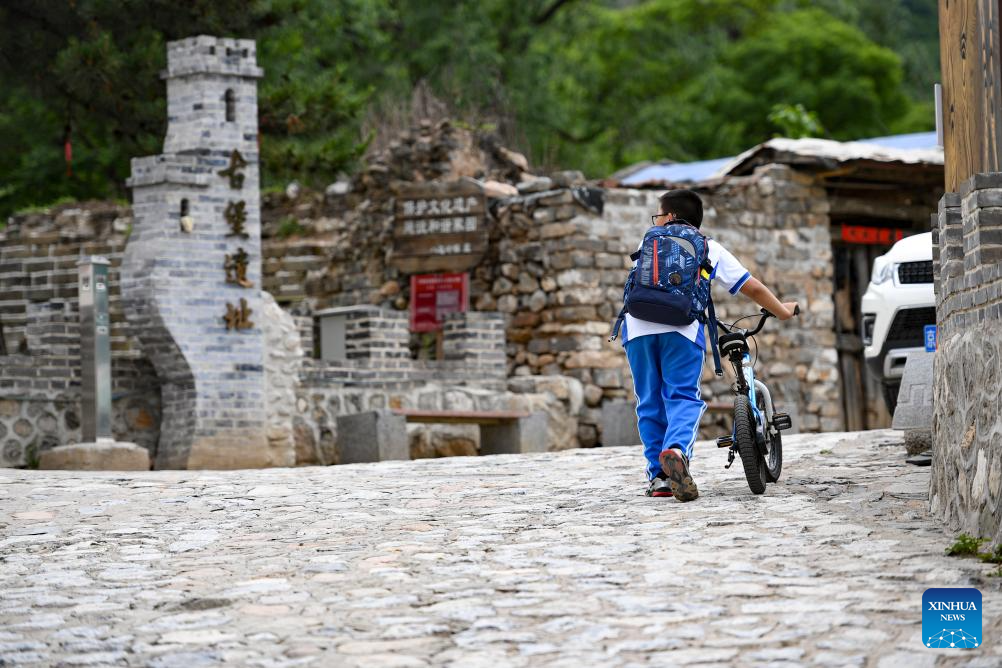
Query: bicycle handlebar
761	323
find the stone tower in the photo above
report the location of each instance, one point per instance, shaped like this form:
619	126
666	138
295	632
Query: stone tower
191	275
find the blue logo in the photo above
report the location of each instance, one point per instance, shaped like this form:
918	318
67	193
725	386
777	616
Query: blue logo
951	618
930	339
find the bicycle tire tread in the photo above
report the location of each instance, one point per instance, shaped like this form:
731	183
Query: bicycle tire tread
744	435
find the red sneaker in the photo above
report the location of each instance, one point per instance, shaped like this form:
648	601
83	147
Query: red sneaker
676	466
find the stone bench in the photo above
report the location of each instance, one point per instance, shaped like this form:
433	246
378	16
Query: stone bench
381	435
619	421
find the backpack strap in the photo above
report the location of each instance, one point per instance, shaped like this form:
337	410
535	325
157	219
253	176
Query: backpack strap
712	324
618	324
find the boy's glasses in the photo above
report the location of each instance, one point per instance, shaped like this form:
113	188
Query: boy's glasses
655	217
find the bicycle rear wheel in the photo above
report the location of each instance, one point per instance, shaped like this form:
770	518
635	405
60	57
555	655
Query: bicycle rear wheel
744	436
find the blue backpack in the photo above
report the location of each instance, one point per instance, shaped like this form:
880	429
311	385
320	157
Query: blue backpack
670	282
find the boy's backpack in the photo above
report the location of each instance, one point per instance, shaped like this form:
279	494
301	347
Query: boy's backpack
670	283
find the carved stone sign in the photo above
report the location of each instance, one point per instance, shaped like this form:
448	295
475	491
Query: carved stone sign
439	227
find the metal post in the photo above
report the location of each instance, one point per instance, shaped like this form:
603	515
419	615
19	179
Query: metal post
95	349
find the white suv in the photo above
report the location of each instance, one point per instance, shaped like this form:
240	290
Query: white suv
897	306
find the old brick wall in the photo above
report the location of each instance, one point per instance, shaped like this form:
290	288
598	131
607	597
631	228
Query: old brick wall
966	486
40	390
40	375
378	372
555	266
39	252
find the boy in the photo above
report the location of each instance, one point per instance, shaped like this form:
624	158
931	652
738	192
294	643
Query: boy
667	362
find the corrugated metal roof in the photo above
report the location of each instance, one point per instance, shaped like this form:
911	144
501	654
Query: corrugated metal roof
677	172
914	140
915	148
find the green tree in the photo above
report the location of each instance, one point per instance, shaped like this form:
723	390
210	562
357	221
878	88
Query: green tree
587	84
87	71
810	58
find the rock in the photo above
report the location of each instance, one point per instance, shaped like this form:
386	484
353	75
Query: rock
389	289
515	158
429	441
23	428
587	435
485	302
917	441
283	360
537	301
592	395
507	304
526	284
535	184
305	443
562	428
499	190
502	286
338	188
607	378
104	455
568	178
292	190
548	283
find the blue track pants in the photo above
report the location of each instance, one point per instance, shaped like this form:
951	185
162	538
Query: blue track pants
666	371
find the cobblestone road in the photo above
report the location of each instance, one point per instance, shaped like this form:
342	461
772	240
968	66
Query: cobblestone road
548	560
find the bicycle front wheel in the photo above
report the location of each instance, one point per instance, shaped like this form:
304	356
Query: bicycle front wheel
744	436
773	458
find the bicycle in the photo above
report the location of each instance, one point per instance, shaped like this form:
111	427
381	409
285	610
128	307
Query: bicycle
756	434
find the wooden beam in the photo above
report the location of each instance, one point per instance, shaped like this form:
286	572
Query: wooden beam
840	205
972	99
459	417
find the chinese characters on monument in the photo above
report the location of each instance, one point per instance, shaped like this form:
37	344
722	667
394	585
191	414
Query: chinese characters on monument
236	216
235	264
232	172
238	317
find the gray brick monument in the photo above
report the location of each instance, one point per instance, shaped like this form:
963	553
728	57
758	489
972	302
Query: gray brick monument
191	274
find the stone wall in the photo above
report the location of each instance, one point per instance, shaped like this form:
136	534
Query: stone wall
40	375
40	390
966	486
378	372
555	266
39	252
319	404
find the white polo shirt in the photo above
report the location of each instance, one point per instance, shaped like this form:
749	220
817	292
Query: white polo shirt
727	271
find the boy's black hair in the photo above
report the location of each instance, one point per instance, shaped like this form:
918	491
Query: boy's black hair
685	204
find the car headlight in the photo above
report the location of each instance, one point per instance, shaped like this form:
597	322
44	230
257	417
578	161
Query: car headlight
883	271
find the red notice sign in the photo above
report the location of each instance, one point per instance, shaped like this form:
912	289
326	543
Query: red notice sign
434	295
872	236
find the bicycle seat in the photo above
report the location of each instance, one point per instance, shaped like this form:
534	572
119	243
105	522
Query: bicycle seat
733	342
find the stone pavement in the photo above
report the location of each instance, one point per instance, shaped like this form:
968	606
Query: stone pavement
535	560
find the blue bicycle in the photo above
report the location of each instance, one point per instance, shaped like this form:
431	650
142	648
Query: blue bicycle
756	435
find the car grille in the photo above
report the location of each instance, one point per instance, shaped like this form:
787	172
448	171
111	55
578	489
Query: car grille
908	328
915	272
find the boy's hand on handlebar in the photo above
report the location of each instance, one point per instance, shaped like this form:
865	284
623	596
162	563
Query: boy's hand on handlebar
790	309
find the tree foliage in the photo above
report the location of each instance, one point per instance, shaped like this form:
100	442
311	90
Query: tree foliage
586	84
